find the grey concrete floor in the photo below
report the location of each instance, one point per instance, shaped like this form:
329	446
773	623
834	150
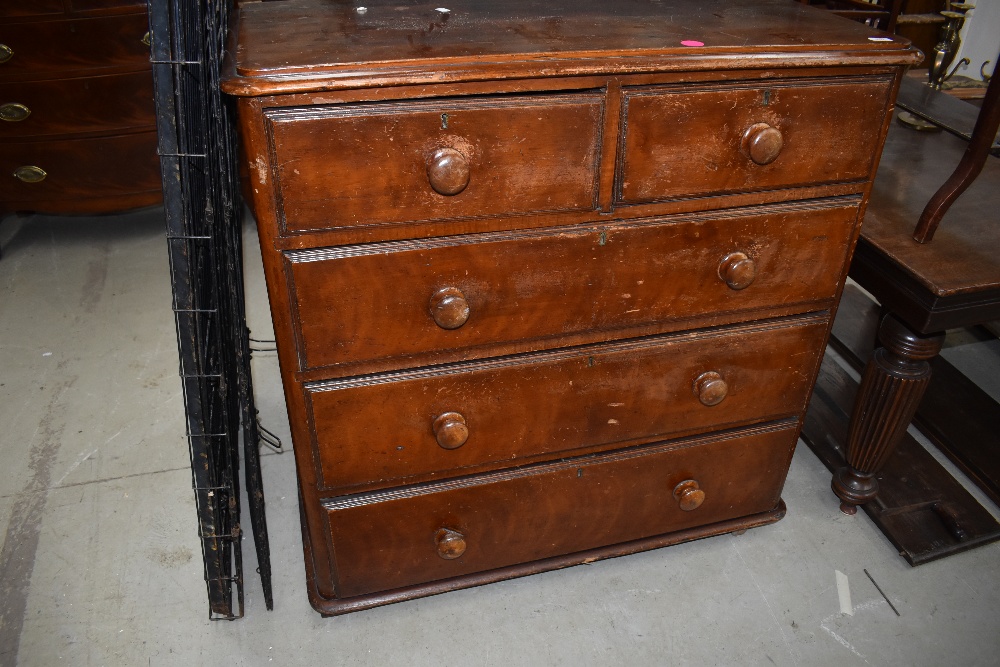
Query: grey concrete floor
100	563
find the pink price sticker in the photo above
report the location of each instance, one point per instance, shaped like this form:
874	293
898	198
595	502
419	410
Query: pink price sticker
692	42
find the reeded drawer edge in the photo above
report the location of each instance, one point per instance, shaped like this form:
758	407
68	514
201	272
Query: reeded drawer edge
817	317
531	470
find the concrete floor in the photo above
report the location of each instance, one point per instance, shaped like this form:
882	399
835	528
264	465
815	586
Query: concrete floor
100	563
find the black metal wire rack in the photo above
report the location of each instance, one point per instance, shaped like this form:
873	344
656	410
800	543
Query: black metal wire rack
198	157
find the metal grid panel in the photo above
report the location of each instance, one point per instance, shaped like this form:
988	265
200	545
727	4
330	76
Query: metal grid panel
198	157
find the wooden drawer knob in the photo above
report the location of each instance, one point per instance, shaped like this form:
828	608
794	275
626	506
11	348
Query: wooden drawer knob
449	308
448	171
30	174
710	388
737	270
451	430
762	143
6	53
450	543
689	495
13	112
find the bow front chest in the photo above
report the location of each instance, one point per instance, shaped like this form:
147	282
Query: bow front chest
551	281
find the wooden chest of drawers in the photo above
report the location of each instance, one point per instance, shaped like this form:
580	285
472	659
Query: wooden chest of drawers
77	125
551	281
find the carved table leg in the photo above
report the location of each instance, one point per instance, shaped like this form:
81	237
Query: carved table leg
893	383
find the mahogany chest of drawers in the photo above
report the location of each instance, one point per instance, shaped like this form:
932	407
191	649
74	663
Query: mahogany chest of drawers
551	281
77	125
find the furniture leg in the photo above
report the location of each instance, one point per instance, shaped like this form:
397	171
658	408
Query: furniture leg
891	388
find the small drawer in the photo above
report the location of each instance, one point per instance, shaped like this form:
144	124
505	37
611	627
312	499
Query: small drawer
399	299
391	539
382	430
34	174
356	165
47	49
100	104
702	140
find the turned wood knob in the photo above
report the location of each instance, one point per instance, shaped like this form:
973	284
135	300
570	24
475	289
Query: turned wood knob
448	171
449	308
450	543
451	430
737	270
710	388
762	143
689	495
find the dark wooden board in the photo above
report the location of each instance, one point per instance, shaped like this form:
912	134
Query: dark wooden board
911	485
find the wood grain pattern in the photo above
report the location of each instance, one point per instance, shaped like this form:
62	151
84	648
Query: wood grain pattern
377	431
56	49
81	93
364	165
385	540
98	104
687	141
537	285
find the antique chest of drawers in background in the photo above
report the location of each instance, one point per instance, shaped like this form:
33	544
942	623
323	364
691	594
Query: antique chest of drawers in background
550	281
77	124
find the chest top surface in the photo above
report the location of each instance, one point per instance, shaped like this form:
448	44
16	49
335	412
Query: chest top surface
302	45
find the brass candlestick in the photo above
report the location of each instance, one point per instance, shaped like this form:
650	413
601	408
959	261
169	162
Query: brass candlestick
947	46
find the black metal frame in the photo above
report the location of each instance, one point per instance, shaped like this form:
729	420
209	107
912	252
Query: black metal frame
198	157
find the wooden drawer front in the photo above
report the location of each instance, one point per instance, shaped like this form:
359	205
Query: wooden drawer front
83	168
389	539
99	104
682	142
46	49
378	430
374	164
24	8
375	301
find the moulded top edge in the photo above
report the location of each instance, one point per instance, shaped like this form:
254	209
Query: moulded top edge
311	44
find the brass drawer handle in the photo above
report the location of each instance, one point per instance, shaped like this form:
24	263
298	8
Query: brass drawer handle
14	112
737	270
450	543
689	495
448	171
710	388
451	430
147	39
30	174
449	308
762	143
6	53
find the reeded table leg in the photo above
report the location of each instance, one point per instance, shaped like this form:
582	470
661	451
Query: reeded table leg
891	388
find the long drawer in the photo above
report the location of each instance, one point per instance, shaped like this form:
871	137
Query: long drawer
461	294
684	141
394	428
396	538
55	171
393	162
110	103
51	49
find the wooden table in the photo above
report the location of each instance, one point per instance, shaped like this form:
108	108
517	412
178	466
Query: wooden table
924	289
